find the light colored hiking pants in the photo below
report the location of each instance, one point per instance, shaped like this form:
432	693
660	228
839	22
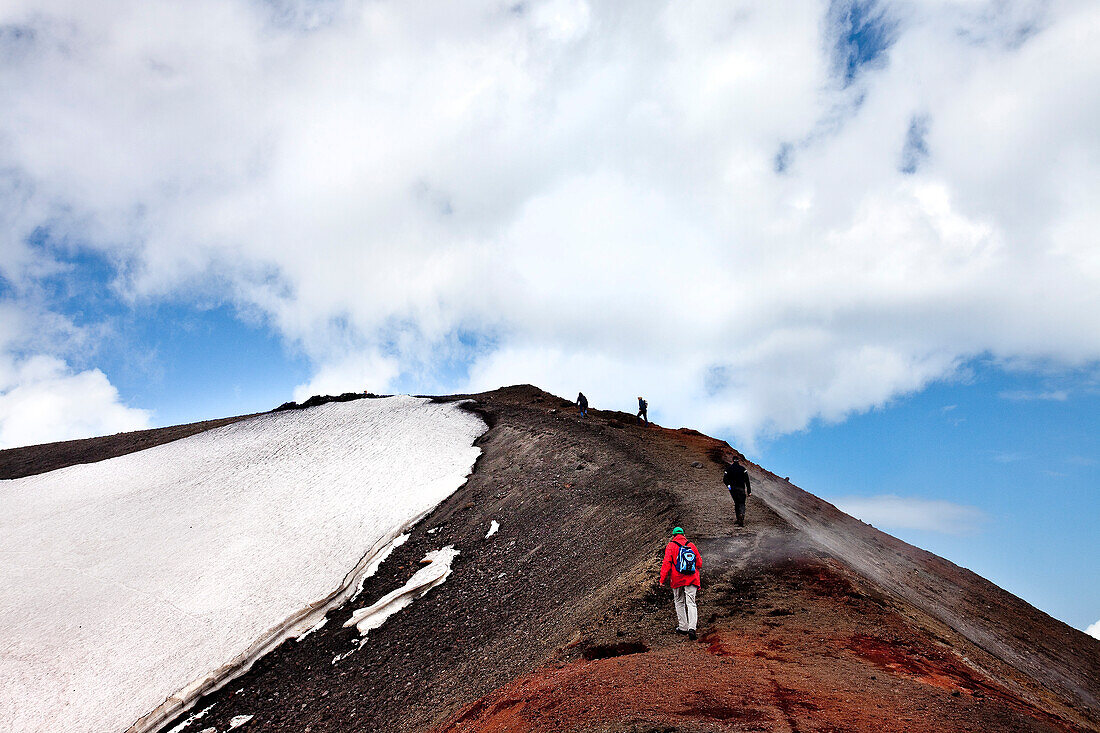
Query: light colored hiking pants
687	615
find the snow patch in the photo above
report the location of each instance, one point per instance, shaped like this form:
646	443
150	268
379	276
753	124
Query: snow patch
422	581
134	585
238	720
192	718
493	527
345	655
316	627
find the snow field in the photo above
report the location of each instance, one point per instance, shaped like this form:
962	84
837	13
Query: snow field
133	580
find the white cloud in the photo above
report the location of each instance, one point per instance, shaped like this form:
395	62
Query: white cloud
43	400
899	512
1094	630
1019	395
562	20
43	397
592	192
361	373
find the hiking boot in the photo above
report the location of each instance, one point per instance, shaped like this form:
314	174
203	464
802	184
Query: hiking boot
680	631
691	635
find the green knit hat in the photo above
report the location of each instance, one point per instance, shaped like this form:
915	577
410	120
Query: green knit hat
677	530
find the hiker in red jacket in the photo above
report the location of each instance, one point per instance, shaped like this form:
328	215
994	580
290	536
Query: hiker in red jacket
681	567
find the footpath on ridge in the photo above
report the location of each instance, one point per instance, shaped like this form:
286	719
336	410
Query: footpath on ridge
809	619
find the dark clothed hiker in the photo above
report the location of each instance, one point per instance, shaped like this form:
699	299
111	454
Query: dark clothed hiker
681	567
736	479
582	404
642	407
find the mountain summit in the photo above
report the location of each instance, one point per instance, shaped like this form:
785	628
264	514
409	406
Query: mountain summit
545	615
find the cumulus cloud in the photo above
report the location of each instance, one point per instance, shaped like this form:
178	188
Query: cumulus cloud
361	373
1094	630
43	400
43	396
756	214
899	512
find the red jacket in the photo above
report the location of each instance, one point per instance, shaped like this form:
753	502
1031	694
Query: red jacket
668	567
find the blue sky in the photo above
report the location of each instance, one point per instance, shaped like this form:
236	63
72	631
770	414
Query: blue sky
1020	448
856	238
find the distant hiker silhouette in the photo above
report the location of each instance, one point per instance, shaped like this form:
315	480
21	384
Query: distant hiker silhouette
736	479
681	566
642	407
582	404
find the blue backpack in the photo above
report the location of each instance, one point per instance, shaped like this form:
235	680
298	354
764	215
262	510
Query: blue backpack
685	560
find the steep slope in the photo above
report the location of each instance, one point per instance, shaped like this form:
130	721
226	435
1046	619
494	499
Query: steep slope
810	620
131	584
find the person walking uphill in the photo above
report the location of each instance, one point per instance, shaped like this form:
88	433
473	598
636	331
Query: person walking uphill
582	404
736	479
681	566
643	406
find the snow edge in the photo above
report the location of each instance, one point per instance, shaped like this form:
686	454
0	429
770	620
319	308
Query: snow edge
185	698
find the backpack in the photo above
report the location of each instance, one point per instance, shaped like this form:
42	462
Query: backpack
685	560
735	475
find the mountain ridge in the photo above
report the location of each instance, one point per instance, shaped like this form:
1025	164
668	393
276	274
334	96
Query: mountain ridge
809	619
